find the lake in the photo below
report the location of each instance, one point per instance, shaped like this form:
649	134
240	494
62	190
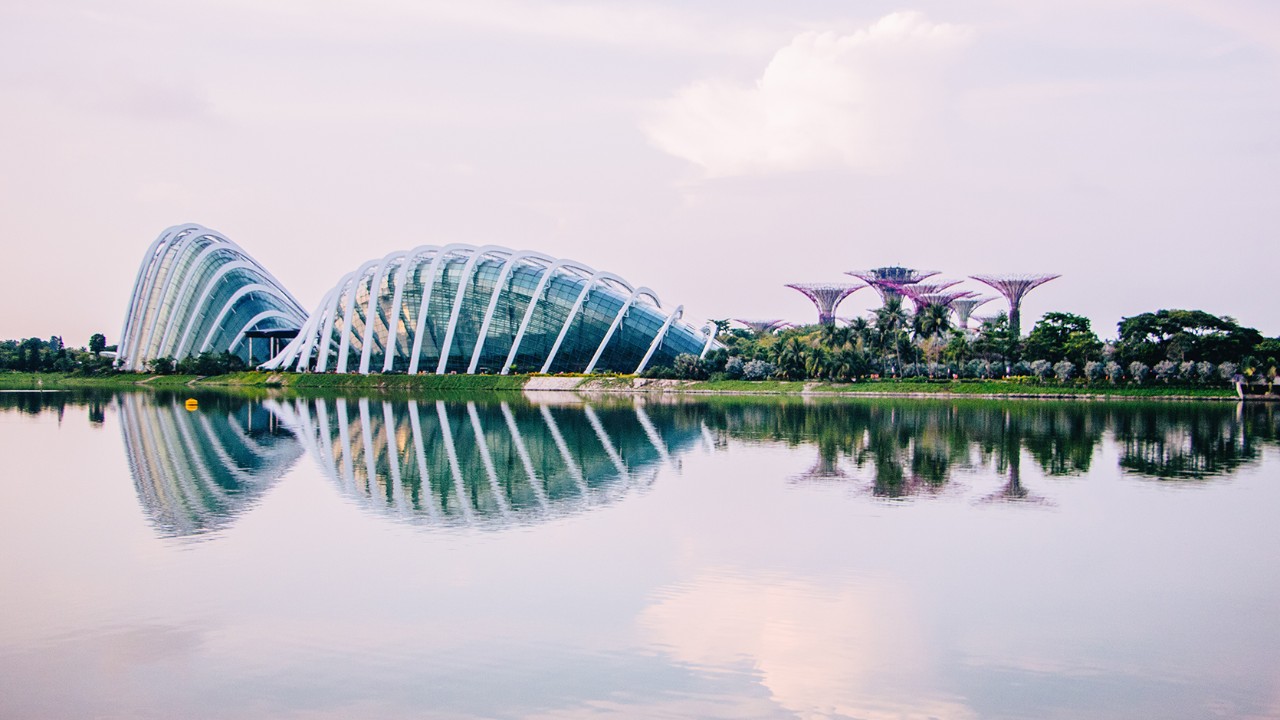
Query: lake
510	556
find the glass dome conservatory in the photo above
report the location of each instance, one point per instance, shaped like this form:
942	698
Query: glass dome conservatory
466	309
196	292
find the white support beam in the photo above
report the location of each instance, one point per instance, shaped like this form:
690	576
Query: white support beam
349	309
617	320
657	339
465	279
498	288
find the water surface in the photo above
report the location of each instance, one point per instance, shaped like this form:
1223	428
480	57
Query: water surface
505	557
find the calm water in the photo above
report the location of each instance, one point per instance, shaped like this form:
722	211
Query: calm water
373	557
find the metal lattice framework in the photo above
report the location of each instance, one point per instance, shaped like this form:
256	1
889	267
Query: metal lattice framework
762	326
826	296
196	291
465	309
964	307
888	280
1014	288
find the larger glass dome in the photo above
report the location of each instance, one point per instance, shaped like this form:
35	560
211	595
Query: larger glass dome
467	309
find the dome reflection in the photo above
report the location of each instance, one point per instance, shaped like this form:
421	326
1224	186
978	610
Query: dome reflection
194	472
488	463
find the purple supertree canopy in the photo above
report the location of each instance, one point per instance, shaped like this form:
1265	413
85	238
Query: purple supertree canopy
944	299
826	296
1014	288
762	326
964	308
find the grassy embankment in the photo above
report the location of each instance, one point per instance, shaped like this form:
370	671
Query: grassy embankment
489	383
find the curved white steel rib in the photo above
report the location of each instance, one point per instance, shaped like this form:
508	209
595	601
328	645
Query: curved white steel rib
467	270
370	310
657	339
573	313
425	303
397	302
498	286
210	286
129	334
617	320
326	335
217	323
533	304
187	271
344	348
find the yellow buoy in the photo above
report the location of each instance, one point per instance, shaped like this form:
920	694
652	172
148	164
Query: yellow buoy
191	404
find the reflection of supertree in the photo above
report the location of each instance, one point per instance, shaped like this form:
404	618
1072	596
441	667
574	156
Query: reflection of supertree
195	471
964	308
762	326
1014	288
489	464
889	280
826	296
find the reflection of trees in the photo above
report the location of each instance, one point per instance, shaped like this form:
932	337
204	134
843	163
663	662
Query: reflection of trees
1193	441
196	470
914	447
501	462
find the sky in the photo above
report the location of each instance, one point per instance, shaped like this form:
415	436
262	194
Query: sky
712	151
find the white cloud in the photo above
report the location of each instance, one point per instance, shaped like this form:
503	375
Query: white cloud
859	100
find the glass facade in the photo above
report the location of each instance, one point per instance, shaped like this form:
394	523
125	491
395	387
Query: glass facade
199	292
466	309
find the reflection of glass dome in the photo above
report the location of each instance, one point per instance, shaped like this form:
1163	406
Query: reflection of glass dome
467	309
472	463
196	292
195	471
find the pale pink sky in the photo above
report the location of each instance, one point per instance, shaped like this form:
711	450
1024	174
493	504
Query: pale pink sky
712	151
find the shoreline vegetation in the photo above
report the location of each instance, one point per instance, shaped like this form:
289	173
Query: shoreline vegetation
1012	388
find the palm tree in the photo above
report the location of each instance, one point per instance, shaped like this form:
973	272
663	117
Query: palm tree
933	321
892	321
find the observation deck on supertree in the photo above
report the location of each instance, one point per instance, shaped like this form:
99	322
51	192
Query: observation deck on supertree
964	307
760	327
826	296
1014	288
888	280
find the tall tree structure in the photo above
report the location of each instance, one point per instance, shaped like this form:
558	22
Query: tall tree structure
923	295
1014	288
760	327
826	296
964	307
888	280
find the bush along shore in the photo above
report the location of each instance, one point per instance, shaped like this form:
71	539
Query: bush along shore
1015	387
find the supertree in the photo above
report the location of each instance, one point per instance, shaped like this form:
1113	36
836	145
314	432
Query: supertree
888	280
826	296
925	294
760	327
964	308
1014	288
945	299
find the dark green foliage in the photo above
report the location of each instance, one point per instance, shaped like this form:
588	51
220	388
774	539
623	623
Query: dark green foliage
1180	335
1060	336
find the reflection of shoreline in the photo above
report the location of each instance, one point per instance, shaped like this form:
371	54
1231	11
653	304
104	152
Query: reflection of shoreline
459	462
485	464
194	472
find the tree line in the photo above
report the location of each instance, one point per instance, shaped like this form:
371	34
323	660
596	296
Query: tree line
1190	347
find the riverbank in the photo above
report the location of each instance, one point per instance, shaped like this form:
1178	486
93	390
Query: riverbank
1017	388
